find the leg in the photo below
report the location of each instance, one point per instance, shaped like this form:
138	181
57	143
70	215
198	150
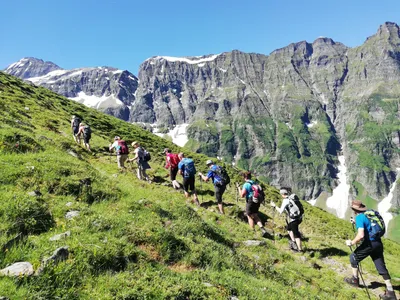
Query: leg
219	191
379	261
192	187
186	187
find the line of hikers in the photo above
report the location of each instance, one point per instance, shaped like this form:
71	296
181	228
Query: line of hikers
368	224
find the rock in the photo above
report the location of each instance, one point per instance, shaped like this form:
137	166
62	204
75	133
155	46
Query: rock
254	243
73	153
60	236
60	254
18	269
35	194
4	298
69	204
207	284
72	214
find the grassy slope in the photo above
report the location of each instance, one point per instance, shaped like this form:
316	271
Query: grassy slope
134	240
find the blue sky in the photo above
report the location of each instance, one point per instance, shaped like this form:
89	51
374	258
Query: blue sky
124	33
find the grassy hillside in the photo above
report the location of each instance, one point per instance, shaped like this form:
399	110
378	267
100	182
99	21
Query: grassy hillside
135	240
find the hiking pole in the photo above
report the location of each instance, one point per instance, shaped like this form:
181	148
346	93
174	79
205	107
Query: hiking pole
201	188
359	272
273	221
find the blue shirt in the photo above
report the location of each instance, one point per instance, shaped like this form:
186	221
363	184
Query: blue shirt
213	175
363	222
249	191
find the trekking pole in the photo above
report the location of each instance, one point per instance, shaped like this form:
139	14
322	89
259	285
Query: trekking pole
273	222
237	192
201	188
359	272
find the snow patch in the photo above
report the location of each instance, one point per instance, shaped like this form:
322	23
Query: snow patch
386	203
187	59
201	65
312	201
48	76
178	134
310	125
223	70
340	195
131	78
117	72
96	101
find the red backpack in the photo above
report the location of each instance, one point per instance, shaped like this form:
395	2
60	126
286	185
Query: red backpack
122	147
173	160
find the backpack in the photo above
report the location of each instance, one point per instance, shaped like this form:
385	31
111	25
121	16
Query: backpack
190	169
258	193
222	175
295	208
122	147
378	227
76	122
87	132
146	155
173	160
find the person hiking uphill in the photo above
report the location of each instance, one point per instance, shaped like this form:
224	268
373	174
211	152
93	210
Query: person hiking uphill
122	151
371	245
188	171
252	204
139	158
75	121
294	216
85	132
172	161
219	184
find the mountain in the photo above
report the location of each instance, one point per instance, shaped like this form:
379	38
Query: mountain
320	117
107	89
90	232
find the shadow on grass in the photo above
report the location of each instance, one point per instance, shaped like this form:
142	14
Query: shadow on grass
376	284
331	251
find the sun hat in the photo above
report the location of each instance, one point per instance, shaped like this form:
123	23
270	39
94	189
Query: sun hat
134	143
116	138
358	205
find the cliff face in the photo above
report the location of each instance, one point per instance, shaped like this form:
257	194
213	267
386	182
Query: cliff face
287	116
290	114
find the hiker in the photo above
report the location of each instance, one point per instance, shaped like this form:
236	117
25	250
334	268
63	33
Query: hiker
219	184
188	171
371	245
252	205
122	151
85	132
294	216
172	161
142	164
75	121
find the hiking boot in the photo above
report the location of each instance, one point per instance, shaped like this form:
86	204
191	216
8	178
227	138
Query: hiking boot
388	295
263	231
293	245
352	281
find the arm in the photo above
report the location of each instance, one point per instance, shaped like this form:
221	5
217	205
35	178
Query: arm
285	202
204	178
168	164
358	237
111	146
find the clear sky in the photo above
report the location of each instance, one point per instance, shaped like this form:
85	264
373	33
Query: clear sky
122	34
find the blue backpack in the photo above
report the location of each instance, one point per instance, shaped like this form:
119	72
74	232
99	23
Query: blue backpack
190	169
378	227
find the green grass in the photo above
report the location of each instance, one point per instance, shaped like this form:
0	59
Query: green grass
135	240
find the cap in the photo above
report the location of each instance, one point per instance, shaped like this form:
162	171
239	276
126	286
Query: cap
166	150
134	143
116	138
283	191
358	205
209	162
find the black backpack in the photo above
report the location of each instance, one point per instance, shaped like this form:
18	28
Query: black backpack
295	208
76	122
223	175
87	132
146	155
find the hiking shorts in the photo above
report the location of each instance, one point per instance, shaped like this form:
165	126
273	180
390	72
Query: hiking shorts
219	191
173	172
375	250
188	184
86	139
121	159
251	207
294	227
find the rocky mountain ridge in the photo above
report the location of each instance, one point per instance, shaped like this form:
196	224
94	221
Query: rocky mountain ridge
288	116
